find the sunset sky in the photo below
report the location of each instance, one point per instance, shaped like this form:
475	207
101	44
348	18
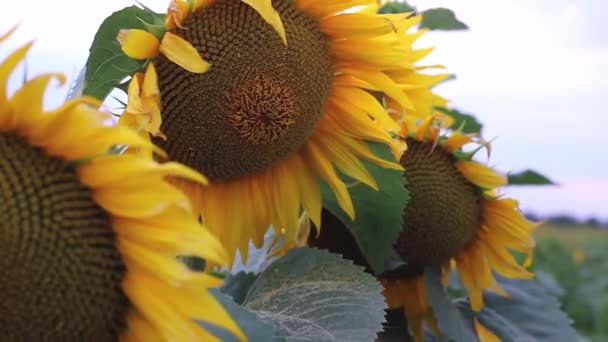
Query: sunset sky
535	72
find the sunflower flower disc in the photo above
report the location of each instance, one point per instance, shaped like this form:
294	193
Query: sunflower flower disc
90	240
257	103
55	244
444	211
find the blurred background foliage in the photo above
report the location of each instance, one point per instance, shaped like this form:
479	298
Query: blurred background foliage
572	257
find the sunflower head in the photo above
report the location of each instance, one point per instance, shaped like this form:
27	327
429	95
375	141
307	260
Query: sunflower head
454	218
266	97
454	215
90	240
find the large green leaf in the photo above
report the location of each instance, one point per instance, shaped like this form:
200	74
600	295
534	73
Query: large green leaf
529	177
107	66
452	323
313	295
467	123
254	328
378	214
237	285
441	19
529	313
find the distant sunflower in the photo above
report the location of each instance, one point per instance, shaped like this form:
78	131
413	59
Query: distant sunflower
266	97
453	218
89	240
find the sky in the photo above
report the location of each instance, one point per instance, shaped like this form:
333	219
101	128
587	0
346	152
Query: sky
535	72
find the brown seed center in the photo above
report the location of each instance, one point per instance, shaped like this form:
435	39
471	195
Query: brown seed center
259	101
444	211
262	110
61	273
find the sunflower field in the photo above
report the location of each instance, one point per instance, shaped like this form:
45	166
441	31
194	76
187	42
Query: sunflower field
277	170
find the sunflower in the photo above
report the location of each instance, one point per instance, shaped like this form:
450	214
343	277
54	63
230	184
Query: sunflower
266	98
454	218
89	239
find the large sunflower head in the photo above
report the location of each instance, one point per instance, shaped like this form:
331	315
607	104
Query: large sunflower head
89	239
265	97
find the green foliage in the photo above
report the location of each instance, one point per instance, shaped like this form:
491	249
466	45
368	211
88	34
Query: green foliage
379	214
433	19
313	295
576	259
237	285
396	7
452	323
528	314
441	19
467	123
254	328
107	66
529	177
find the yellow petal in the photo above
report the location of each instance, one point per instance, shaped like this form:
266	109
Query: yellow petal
182	53
139	200
6	68
152	299
502	261
193	242
102	171
206	308
324	8
164	265
135	104
28	99
484	334
357	25
383	82
481	175
309	188
326	171
8	34
176	14
456	141
344	158
270	15
150	82
346	97
138	44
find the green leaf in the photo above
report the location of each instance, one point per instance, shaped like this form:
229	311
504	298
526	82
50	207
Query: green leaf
107	66
528	314
529	177
396	7
451	322
467	123
237	285
313	295
254	328
378	214
441	19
